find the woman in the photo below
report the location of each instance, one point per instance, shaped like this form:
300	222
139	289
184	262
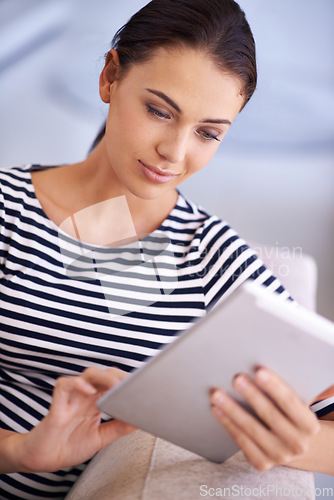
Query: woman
104	261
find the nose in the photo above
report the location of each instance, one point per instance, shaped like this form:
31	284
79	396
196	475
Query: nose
173	147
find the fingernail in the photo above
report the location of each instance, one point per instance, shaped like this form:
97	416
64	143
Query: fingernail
262	375
240	381
218	397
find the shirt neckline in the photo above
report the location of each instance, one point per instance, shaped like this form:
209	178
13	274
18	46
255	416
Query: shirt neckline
35	167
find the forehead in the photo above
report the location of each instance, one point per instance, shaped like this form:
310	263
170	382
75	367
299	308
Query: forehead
189	77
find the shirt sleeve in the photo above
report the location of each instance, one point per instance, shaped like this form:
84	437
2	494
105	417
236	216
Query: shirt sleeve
227	262
324	408
2	229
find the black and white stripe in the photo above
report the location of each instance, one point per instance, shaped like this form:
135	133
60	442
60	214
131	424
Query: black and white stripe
65	306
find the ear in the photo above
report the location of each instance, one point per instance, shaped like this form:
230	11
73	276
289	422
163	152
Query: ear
109	75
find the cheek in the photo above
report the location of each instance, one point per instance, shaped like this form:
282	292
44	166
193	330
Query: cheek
125	125
200	156
138	132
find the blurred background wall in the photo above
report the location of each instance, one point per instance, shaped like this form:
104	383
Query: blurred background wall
273	177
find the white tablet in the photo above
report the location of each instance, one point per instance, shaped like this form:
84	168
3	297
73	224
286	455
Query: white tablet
169	396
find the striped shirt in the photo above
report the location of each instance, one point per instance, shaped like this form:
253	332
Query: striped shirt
66	305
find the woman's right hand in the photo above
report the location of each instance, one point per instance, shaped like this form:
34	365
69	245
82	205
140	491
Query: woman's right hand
72	431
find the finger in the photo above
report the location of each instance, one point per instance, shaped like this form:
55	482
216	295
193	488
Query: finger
293	437
70	394
112	430
270	445
103	380
66	386
252	452
118	373
287	401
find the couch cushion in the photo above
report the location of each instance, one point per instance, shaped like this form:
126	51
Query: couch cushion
142	467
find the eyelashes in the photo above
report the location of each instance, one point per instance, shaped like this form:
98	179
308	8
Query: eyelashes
206	136
156	112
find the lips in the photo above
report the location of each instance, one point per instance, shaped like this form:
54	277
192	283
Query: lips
156	174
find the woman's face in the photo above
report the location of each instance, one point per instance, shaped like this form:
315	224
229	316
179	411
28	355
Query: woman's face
167	117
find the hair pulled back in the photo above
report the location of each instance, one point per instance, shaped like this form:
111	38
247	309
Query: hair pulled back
218	27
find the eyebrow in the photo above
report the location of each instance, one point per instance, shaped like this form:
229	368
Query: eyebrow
212	120
165	98
169	101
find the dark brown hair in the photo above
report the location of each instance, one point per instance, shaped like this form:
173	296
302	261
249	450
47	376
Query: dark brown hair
218	27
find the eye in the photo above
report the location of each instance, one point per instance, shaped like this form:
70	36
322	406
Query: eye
207	136
155	112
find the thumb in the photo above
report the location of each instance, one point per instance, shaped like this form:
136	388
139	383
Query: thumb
112	430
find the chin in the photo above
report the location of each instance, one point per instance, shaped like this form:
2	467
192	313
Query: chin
153	192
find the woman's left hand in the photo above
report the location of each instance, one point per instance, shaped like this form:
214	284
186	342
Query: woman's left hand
288	424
